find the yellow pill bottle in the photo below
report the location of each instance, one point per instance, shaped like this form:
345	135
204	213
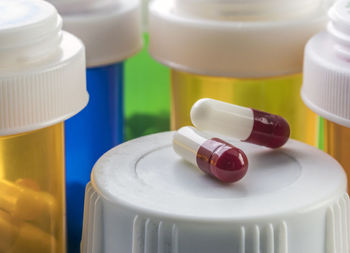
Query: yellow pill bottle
326	85
42	83
243	52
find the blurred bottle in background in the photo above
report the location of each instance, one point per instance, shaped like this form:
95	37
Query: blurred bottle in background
111	32
246	53
326	88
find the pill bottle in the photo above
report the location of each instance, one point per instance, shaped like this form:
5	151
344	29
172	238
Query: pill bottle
244	52
143	197
111	32
326	88
42	84
147	90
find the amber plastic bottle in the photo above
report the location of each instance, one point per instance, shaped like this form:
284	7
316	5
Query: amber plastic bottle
326	88
42	83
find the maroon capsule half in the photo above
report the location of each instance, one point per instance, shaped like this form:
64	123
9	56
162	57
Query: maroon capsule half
222	160
269	130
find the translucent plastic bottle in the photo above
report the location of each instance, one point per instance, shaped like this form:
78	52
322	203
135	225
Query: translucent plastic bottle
326	88
111	32
147	91
244	52
42	83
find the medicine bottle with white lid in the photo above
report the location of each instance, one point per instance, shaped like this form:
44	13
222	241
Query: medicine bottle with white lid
143	197
42	83
326	85
111	32
244	52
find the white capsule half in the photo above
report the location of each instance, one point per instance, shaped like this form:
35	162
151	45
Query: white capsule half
223	118
186	143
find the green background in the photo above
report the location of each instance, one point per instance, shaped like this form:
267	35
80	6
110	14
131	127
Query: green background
146	94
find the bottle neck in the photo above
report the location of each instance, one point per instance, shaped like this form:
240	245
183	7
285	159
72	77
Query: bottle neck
243	10
31	34
339	28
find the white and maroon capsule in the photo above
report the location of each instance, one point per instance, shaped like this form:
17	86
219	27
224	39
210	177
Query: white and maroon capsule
213	156
239	122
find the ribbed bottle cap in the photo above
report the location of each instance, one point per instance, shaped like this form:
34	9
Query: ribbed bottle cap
110	29
42	69
326	88
144	198
248	39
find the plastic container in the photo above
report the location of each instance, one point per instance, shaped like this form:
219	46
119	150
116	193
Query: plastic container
42	83
111	32
244	52
147	93
326	88
144	198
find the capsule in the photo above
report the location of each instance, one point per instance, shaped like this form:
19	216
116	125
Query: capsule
245	124
8	231
19	237
215	157
24	203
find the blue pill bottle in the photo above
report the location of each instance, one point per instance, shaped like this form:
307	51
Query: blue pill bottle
111	32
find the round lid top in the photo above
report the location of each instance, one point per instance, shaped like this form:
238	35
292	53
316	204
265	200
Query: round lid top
326	85
24	23
42	79
118	22
146	175
245	39
26	16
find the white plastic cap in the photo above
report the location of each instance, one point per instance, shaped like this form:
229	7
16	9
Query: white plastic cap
326	88
110	29
145	198
42	69
234	38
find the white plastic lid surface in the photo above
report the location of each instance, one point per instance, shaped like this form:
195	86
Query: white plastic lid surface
110	29
234	38
326	86
42	69
145	198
